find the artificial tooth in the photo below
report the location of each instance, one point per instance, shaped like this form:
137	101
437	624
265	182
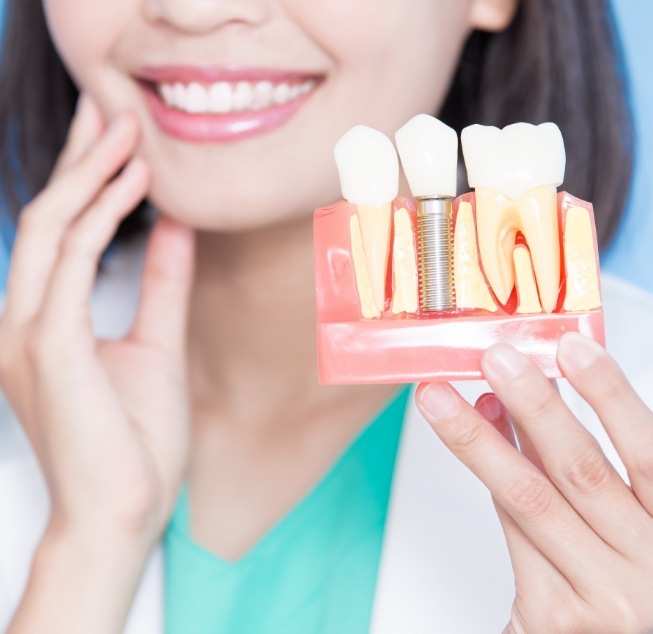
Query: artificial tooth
471	288
369	177
515	172
581	271
528	301
404	265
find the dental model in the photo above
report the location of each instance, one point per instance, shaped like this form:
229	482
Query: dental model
515	261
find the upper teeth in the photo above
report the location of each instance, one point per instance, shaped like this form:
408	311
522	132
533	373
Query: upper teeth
513	160
224	97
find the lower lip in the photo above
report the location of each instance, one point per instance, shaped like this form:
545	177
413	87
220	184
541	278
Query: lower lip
220	128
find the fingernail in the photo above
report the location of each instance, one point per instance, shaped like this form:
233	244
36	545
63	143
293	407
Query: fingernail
577	351
438	400
505	362
490	407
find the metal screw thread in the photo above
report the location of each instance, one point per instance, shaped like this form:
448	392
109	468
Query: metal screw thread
435	254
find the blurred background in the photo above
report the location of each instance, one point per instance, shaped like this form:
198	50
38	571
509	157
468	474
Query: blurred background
631	254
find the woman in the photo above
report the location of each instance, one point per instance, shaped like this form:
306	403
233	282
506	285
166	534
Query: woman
214	385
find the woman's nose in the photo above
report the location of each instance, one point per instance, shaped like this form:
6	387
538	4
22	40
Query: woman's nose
201	16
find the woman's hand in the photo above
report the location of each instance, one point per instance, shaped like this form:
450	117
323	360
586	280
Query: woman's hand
580	539
109	420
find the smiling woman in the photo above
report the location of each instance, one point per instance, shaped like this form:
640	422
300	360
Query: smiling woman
201	426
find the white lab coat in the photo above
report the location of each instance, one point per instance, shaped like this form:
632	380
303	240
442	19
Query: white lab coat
444	566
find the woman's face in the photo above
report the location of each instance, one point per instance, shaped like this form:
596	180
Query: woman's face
298	74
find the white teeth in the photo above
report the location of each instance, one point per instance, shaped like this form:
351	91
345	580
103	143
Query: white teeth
197	98
224	97
281	94
513	160
368	166
429	155
220	97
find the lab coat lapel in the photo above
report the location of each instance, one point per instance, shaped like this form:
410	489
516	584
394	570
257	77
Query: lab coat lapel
444	565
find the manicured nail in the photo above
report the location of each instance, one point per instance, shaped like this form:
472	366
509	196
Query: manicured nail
577	351
505	362
489	407
438	400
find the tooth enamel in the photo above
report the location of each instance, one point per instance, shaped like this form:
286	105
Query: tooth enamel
281	94
179	95
429	155
515	172
167	93
581	271
471	289
262	95
220	97
224	97
243	95
369	177
197	98
528	301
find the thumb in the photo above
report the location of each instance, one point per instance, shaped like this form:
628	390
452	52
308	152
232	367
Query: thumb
162	315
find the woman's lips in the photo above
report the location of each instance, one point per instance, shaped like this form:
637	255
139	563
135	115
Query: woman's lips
221	105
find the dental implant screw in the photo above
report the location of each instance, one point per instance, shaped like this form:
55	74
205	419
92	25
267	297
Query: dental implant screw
435	253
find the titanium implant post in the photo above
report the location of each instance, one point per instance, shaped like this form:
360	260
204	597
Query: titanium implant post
435	253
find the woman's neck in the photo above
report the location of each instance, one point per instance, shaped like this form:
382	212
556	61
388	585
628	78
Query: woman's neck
252	327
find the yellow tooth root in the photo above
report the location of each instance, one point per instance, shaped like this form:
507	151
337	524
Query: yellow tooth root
582	288
375	232
404	265
529	302
363	284
471	288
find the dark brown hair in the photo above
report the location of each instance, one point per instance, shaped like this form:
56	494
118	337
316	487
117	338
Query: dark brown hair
558	61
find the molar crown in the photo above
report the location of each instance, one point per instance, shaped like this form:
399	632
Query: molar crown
515	159
368	166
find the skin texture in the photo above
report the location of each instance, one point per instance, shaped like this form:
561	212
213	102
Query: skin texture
224	332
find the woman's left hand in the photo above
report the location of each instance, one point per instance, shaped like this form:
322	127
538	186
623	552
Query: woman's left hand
580	539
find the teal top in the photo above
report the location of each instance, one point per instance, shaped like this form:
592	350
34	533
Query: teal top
314	572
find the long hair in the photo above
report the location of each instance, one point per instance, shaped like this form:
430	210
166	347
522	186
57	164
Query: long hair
559	61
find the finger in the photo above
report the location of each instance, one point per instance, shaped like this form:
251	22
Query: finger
538	508
86	128
534	573
571	457
161	318
65	308
45	220
627	420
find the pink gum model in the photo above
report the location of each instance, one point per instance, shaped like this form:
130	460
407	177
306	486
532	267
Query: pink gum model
424	347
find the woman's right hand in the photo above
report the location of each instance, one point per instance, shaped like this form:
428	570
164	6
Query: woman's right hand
108	419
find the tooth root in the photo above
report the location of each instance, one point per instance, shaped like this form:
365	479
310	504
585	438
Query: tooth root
535	214
497	231
375	232
581	271
529	301
363	284
404	265
471	288
538	220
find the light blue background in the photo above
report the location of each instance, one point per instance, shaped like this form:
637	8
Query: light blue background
631	255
